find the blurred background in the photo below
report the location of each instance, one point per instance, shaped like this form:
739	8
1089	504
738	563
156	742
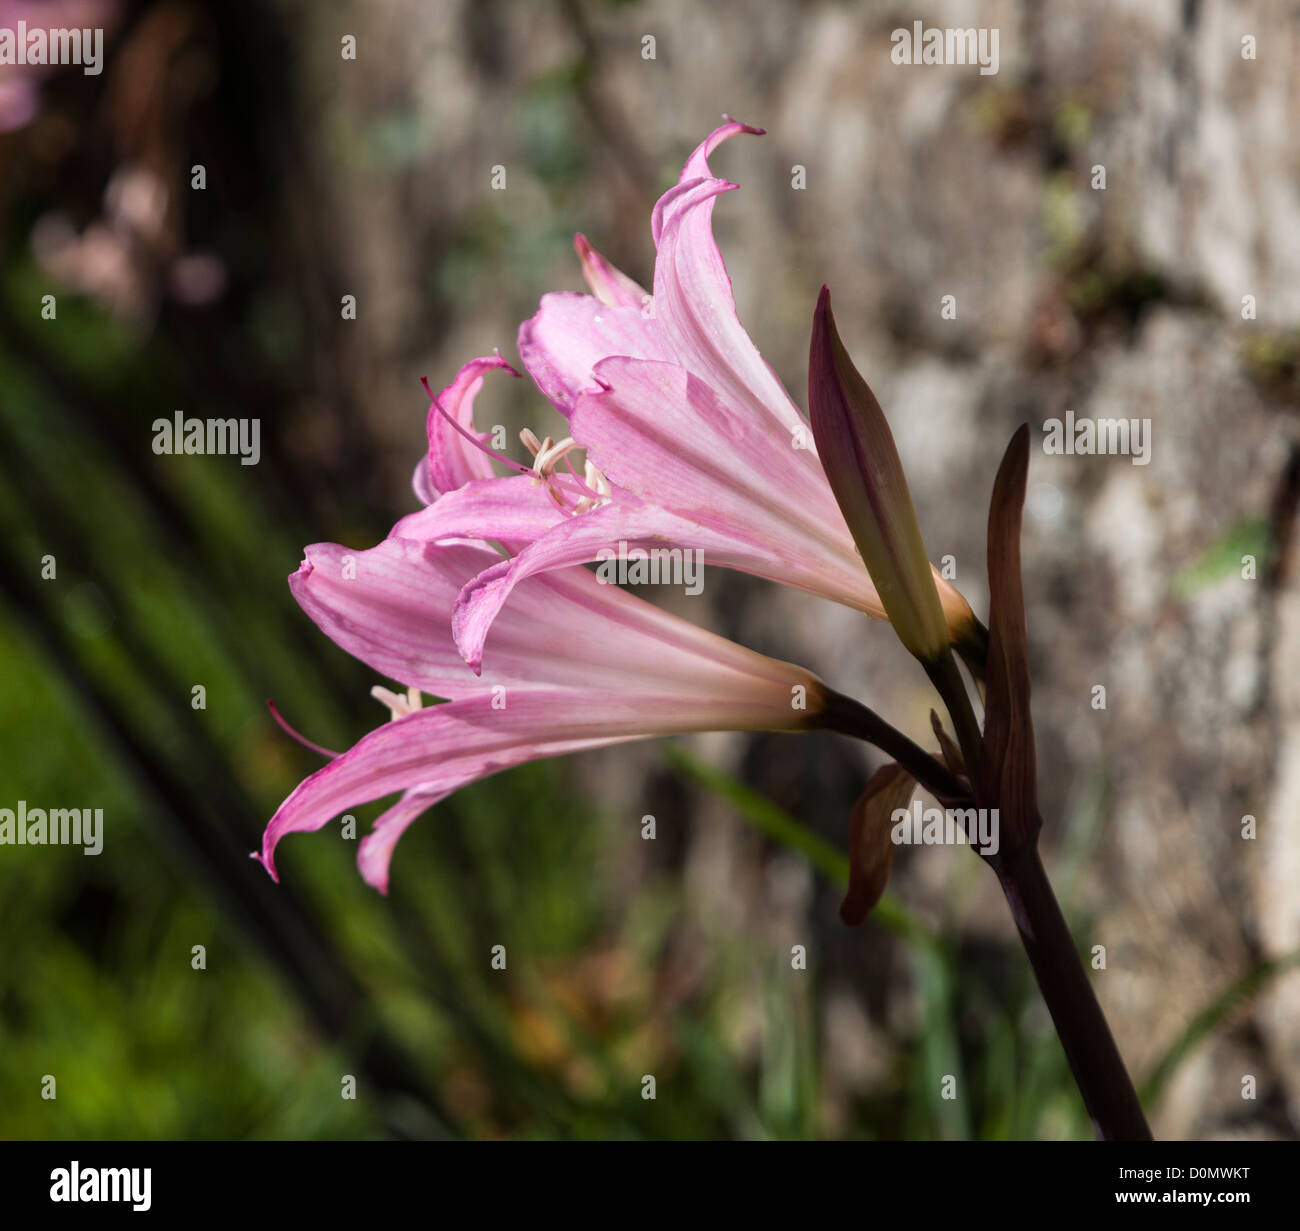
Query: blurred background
326	177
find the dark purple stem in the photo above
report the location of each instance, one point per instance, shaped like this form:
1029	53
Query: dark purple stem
1089	1046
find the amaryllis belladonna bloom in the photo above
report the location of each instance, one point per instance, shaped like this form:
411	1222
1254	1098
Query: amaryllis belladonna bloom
576	665
690	439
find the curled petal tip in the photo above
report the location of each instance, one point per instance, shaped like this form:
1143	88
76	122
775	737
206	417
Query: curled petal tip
697	165
741	126
469	639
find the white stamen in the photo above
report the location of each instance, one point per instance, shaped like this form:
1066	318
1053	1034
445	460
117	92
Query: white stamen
547	455
398	706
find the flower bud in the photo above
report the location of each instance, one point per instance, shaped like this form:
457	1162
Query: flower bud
858	454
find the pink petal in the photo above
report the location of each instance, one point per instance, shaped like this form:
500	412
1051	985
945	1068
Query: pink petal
375	853
562	343
513	509
453	461
638	525
572	540
610	285
695	325
661	433
694	307
433	752
707	479
391	608
697	164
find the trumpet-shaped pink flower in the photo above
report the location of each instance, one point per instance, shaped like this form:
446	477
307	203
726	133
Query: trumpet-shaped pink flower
691	441
576	664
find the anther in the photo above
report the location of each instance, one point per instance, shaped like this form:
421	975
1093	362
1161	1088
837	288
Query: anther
399	706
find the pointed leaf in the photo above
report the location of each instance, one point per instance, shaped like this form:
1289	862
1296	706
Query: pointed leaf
1008	776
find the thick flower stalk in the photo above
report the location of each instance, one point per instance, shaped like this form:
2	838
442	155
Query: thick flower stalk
690	440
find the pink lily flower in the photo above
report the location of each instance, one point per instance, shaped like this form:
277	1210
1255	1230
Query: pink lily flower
576	665
691	440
